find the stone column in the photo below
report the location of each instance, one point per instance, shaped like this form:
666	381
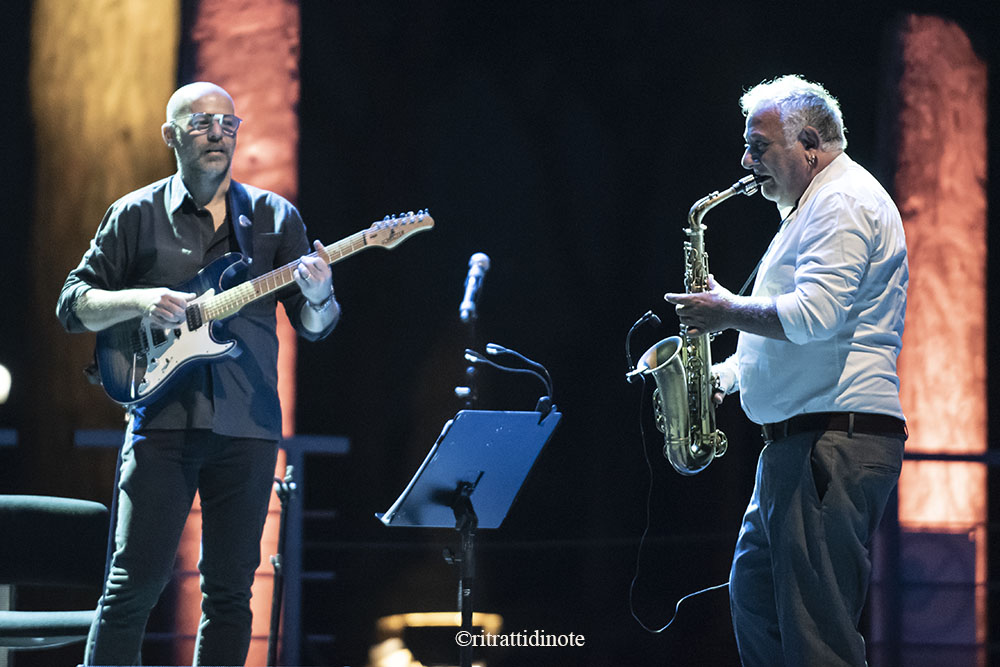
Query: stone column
251	49
940	177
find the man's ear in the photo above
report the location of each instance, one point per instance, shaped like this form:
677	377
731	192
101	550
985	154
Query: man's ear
167	131
810	138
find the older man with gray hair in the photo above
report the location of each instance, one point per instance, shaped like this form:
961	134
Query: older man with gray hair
815	366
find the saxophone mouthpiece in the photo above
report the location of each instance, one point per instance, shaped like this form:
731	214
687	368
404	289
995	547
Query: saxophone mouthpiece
748	184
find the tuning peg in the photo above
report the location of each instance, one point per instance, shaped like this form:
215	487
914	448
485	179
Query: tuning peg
385	218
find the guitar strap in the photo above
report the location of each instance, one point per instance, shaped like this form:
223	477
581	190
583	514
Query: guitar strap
239	204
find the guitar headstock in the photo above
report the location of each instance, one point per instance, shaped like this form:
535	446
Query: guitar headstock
392	229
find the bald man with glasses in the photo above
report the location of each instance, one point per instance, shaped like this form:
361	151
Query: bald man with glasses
215	428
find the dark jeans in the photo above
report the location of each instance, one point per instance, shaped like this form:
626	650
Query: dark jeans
800	574
160	472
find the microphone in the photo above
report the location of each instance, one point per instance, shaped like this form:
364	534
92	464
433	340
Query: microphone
649	316
474	357
479	264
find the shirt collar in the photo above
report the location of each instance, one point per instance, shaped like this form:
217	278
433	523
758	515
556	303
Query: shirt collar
177	192
834	170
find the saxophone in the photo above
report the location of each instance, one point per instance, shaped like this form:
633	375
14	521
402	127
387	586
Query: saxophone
682	365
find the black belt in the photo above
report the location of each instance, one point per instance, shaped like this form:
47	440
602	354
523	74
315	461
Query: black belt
850	422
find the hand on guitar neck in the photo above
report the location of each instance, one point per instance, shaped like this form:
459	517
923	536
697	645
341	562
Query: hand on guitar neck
313	275
314	278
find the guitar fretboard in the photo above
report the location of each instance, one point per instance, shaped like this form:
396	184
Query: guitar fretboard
228	303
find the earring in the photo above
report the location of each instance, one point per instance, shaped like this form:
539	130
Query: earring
812	159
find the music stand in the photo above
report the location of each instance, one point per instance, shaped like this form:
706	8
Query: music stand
468	481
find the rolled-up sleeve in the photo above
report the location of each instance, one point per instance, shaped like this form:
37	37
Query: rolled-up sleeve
833	256
102	266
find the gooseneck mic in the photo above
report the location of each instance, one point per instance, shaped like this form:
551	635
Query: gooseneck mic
649	316
545	404
479	264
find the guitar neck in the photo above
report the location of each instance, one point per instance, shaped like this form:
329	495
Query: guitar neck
229	302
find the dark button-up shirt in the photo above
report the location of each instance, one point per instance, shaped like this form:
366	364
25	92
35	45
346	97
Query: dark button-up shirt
157	237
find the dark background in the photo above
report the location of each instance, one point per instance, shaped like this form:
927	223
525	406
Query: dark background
567	141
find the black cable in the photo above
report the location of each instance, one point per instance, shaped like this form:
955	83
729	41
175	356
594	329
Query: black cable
645	531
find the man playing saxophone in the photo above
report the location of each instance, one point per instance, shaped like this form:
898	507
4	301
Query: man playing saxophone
815	365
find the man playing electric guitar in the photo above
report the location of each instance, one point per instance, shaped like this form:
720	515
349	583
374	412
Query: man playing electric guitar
213	429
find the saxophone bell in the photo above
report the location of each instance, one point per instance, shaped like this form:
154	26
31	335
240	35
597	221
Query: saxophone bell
665	362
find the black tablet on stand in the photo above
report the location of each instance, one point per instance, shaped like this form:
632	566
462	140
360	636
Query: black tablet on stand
469	480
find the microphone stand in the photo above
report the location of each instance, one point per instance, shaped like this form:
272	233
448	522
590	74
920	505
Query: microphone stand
466	521
283	488
469	392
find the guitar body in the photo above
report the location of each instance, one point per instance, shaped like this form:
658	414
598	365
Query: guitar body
137	362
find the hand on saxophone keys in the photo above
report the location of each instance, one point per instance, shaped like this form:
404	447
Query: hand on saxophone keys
704	312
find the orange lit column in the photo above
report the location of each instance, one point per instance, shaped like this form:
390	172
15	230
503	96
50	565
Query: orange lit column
96	135
251	49
939	186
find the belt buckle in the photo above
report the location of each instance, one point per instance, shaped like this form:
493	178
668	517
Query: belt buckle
771	432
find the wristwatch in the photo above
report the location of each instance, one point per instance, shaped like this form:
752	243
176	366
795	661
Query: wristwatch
323	305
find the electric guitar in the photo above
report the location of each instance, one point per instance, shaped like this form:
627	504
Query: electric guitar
136	361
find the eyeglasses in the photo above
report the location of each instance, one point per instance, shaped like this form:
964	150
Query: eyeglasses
200	123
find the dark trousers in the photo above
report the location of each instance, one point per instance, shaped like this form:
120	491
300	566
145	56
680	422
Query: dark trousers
800	573
160	472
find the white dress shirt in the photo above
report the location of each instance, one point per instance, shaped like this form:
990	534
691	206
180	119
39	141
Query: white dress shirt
837	270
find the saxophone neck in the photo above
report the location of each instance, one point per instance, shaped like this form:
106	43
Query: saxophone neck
746	186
